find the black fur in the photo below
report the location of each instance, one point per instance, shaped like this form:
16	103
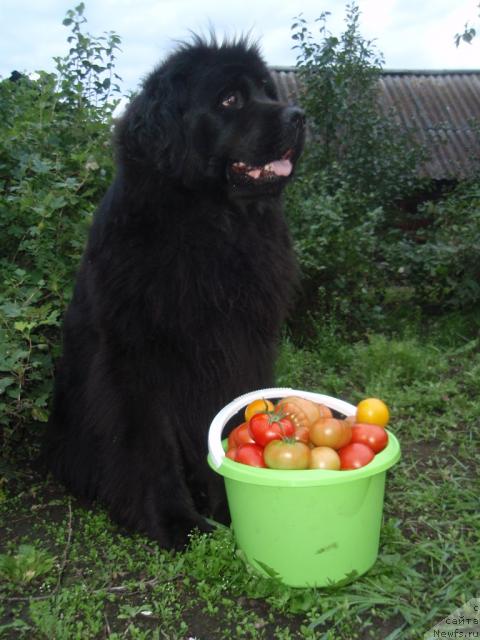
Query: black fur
184	285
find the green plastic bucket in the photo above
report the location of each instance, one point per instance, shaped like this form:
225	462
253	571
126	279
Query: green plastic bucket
312	528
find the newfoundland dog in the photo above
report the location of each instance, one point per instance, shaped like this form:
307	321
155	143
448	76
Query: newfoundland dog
185	282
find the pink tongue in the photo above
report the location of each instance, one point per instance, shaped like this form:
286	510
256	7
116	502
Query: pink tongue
281	167
277	167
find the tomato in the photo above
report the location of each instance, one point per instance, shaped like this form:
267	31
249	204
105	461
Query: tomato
286	454
302	434
372	435
355	455
301	411
232	453
373	411
324	411
251	454
240	435
350	420
257	406
324	458
330	432
267	426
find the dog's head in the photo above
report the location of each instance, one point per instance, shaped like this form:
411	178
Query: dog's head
209	117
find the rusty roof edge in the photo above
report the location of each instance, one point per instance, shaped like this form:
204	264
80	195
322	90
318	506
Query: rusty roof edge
429	72
412	72
436	106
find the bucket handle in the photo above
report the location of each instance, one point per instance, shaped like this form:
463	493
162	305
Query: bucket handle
215	447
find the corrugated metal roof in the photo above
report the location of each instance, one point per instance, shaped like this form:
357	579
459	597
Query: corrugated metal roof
440	107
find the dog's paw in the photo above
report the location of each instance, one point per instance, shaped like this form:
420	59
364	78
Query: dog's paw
176	533
182	530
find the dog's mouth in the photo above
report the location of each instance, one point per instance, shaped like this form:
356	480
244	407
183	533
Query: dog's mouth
274	170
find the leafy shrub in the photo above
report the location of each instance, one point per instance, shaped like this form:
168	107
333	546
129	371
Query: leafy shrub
87	74
336	242
441	263
355	145
356	166
55	163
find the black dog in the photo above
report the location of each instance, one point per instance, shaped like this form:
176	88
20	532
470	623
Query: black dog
184	285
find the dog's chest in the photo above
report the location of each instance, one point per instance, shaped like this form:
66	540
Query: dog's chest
246	264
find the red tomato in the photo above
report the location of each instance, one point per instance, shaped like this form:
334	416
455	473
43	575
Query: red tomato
240	435
330	432
355	455
265	427
286	454
372	435
232	453
251	454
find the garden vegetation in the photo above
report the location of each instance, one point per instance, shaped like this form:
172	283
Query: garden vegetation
381	312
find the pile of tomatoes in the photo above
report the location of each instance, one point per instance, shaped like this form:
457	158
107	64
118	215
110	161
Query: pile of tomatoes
301	434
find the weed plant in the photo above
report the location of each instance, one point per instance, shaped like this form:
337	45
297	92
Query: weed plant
67	572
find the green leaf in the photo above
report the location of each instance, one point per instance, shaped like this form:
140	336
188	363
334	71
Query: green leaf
6	382
10	310
40	414
26	565
24	326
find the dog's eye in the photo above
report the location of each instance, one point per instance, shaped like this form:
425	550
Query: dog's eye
232	100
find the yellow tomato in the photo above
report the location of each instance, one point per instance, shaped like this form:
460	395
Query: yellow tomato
373	411
257	406
324	458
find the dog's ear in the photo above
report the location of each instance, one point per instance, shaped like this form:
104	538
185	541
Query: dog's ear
150	132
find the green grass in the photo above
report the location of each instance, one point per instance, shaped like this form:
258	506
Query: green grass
67	572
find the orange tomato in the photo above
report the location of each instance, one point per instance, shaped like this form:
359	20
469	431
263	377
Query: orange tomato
324	411
258	406
303	412
373	411
302	434
330	432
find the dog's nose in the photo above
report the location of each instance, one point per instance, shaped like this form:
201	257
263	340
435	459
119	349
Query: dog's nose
294	117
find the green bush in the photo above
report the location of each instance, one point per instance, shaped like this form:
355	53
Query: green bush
440	263
355	146
356	166
336	241
55	164
357	261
